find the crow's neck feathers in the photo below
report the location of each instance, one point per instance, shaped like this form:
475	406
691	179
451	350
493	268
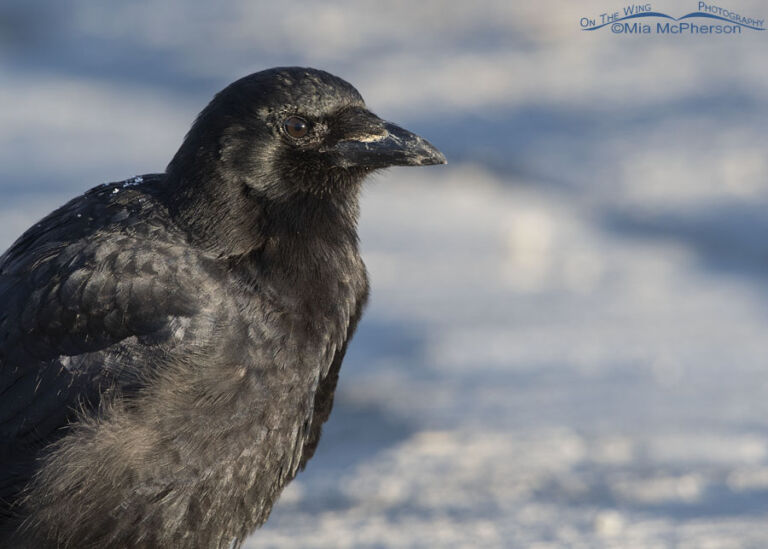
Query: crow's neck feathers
230	215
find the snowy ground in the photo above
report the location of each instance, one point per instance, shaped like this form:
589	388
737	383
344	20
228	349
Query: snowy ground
566	341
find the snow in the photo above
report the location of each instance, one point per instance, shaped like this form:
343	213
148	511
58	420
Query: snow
132	182
565	345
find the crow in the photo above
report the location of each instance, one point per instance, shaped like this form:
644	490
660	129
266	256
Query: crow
170	344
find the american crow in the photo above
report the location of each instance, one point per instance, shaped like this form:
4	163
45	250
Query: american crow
170	345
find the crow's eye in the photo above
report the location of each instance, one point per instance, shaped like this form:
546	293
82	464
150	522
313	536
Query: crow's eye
296	127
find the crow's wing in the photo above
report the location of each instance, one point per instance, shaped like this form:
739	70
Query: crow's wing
79	292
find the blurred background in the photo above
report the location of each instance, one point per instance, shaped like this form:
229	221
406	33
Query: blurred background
566	343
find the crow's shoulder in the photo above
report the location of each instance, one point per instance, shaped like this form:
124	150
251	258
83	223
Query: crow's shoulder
107	265
98	218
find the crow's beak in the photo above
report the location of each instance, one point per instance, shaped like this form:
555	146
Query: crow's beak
384	144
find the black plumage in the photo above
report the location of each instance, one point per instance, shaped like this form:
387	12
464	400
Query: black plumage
170	345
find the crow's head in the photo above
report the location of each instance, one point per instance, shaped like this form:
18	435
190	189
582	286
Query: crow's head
288	131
